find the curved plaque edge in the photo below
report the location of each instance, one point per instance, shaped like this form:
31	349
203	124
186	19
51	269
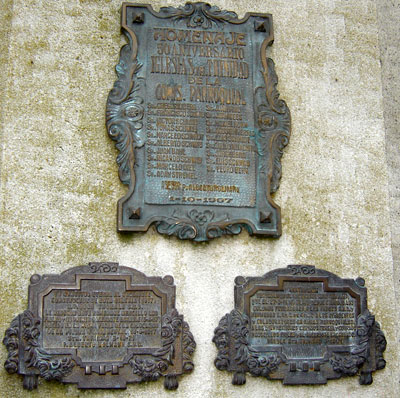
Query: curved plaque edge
185	228
274	121
205	10
124	110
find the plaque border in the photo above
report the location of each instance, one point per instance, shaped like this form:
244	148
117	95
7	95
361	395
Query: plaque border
124	121
27	357
236	353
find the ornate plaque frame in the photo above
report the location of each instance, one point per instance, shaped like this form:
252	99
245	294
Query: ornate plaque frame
285	326
227	174
109	356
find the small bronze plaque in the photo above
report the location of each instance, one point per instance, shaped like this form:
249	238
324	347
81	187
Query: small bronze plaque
301	325
197	119
100	326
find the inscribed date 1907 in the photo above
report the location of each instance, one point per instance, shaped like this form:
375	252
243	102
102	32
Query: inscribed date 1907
198	122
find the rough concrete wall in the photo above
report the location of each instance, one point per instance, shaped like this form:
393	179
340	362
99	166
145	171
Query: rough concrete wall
389	37
6	10
59	184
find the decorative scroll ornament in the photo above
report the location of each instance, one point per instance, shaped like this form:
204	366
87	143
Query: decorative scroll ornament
273	119
25	331
124	116
256	337
233	328
156	365
350	364
198	15
200	139
88	353
199	225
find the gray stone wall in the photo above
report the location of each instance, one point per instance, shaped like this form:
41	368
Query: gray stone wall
389	38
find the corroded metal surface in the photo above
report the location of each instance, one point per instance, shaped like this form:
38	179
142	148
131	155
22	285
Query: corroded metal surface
100	326
301	325
198	122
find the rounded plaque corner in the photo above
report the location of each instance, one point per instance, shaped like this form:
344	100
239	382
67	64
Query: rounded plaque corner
168	280
35	279
360	282
240	280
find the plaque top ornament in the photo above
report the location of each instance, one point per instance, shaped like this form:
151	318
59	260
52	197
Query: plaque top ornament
100	326
197	119
302	325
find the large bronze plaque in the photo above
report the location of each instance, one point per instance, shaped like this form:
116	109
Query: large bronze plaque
301	325
100	326
198	122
